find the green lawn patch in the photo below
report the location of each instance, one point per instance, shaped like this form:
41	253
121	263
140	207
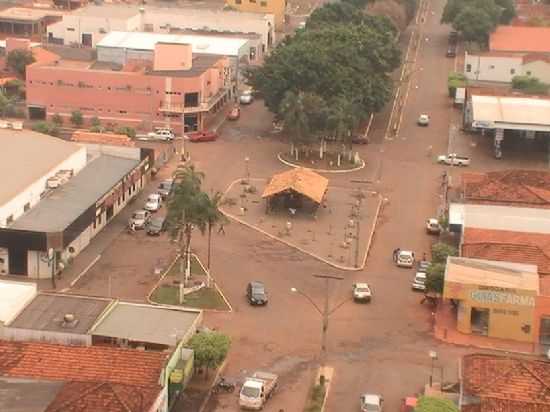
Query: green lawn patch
316	398
205	298
196	267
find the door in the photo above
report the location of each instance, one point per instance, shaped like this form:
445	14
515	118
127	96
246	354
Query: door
87	39
18	261
480	321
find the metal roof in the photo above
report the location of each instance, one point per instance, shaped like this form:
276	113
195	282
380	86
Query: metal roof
13	297
510	112
66	203
46	312
491	273
218	45
514	219
27	156
27	395
146	323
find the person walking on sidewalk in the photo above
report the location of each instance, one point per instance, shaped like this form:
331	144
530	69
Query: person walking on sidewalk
221	230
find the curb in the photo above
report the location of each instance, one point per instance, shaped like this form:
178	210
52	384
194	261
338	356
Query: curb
157	284
209	394
313	255
290	164
86	269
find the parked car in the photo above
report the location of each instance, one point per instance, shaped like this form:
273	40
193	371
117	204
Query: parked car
370	402
359	139
234	114
246	97
405	259
433	227
162	134
153	202
155	226
423	120
453	37
419	282
361	292
422	266
451	51
256	293
139	219
205	136
453	159
165	188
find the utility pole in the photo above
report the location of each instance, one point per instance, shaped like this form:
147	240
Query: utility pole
357	231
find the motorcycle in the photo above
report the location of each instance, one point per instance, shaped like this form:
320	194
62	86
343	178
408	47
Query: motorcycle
223	385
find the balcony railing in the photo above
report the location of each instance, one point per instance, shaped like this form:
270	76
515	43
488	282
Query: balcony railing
203	107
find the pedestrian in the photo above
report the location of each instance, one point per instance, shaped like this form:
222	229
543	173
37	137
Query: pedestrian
221	230
429	151
424	256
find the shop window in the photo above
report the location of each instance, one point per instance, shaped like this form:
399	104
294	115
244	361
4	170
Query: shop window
468	68
191	99
545	331
480	321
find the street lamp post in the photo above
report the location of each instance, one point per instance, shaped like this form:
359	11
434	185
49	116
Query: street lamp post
325	314
433	357
50	260
247	169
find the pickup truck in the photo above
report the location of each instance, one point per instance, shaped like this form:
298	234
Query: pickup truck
256	390
453	159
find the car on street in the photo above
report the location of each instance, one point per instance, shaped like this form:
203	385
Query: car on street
165	188
162	134
423	120
234	113
205	136
360	139
155	226
256	293
371	402
433	227
139	219
361	292
422	266
451	51
419	282
405	259
452	159
153	202
246	97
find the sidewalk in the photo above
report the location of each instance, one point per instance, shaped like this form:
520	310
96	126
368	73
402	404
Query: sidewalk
445	330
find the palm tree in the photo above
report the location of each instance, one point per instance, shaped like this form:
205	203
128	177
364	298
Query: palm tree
214	217
186	211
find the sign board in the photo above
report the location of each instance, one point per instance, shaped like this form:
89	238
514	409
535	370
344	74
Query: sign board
501	298
176	376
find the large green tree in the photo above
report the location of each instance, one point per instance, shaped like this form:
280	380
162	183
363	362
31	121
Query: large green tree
474	24
210	349
18	60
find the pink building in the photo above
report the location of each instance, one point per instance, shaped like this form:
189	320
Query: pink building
177	89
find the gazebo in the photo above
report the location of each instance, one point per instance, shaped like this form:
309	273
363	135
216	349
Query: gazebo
295	189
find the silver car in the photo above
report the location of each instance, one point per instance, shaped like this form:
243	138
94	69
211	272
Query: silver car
246	97
139	219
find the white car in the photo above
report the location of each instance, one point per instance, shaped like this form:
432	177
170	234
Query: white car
432	226
419	282
162	134
153	203
361	292
423	120
405	259
139	219
246	97
371	403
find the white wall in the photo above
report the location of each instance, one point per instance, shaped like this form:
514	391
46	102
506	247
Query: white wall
539	69
32	335
14	296
492	68
31	195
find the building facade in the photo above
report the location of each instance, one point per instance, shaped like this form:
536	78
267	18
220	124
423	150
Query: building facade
276	7
140	94
502	67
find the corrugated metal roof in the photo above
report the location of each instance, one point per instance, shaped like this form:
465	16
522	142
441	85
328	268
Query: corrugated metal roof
511	110
221	46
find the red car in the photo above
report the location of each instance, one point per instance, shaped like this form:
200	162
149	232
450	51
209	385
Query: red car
205	136
234	114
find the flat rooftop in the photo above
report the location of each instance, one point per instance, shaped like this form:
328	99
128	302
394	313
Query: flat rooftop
492	273
46	312
13	296
511	112
62	206
510	218
24	14
27	156
146	323
217	45
27	395
107	11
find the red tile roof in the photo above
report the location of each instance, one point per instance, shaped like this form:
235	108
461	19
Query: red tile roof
506	384
98	378
524	188
507	246
520	39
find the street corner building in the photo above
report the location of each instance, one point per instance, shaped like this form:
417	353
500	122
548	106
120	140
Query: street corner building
138	80
57	195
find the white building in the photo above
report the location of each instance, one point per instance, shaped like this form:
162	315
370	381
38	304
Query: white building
57	196
502	67
14	296
89	25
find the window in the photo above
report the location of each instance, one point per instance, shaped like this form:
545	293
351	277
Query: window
71	249
512	71
191	99
468	68
528	73
26	207
9	220
122	111
263	3
70	28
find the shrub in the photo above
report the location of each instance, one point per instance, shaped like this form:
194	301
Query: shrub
46	128
57	120
77	119
530	85
440	252
94	121
128	131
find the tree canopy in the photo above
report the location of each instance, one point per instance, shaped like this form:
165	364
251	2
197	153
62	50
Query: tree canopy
18	60
431	404
210	349
435	277
530	85
440	252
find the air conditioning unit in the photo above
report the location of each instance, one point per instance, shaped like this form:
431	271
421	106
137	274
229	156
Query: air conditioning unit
53	182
